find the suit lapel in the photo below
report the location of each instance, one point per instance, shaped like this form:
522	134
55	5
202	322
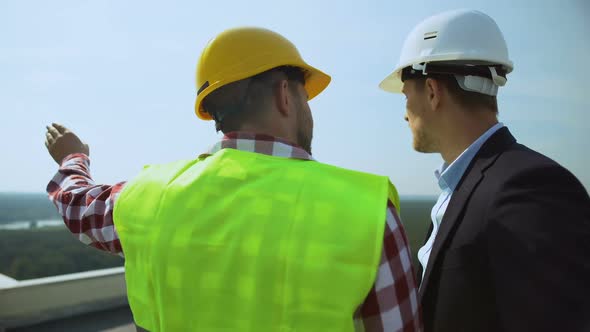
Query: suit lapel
486	156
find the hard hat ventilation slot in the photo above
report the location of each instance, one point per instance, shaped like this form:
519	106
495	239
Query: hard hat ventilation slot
430	35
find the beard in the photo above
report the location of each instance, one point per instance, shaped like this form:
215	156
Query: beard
304	126
304	140
423	143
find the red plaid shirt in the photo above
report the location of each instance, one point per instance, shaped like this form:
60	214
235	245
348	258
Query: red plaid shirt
87	210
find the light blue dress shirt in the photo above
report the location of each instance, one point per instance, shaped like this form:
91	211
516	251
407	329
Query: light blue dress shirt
448	177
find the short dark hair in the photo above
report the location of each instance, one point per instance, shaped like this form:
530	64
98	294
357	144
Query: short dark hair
467	99
445	73
238	102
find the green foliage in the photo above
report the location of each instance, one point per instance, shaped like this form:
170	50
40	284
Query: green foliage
36	253
26	207
28	254
415	215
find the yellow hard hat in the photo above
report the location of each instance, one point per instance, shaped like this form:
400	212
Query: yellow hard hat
239	53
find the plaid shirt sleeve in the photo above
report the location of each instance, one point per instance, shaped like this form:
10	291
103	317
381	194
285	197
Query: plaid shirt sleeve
392	304
86	208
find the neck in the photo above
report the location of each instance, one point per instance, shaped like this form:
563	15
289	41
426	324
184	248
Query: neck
274	131
463	131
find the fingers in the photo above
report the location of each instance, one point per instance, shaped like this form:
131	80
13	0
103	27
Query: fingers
49	137
49	141
61	129
52	132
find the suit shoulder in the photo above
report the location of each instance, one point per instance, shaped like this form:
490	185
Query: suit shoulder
519	158
522	165
522	155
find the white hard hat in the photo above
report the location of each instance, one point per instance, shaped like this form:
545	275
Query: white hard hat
459	38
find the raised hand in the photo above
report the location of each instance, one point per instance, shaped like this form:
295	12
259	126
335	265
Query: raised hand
61	142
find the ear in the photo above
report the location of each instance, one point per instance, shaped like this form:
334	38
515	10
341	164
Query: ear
282	98
434	91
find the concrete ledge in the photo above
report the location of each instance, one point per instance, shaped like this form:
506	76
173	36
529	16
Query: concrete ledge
32	301
6	281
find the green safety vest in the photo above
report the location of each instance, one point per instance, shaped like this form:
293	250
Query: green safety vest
242	241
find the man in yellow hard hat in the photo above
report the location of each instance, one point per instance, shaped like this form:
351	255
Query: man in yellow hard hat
253	235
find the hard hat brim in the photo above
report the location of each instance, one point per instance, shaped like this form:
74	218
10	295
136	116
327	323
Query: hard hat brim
392	83
315	82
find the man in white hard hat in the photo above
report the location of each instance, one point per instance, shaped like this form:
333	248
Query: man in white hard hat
509	244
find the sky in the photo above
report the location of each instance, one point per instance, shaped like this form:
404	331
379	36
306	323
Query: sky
121	75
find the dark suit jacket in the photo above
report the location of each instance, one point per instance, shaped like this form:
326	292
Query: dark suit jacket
513	249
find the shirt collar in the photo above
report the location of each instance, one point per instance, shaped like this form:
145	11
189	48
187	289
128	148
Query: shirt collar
259	143
448	175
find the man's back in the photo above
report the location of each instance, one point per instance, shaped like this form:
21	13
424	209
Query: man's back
254	238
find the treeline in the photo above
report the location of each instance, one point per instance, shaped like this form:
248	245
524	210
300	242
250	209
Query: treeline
36	253
29	254
415	214
26	207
